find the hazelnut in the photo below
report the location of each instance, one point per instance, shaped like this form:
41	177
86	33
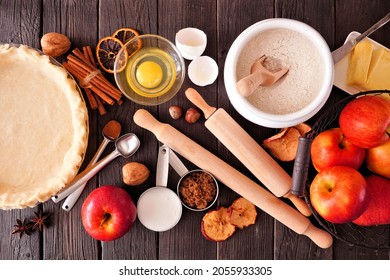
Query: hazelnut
175	111
192	115
55	44
134	173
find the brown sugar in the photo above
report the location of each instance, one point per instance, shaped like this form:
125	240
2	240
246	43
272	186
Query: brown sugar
197	189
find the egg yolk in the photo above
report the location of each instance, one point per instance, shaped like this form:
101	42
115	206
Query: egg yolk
149	74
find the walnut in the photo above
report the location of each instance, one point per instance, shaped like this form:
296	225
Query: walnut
134	173
55	44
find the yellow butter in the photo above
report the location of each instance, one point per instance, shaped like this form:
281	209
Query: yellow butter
359	64
379	71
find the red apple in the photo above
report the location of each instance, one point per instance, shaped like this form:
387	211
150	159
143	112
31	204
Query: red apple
378	206
365	121
331	148
108	213
338	194
378	159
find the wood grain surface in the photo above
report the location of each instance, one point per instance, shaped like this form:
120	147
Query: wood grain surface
85	22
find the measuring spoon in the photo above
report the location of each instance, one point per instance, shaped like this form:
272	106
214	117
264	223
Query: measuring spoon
125	146
111	132
159	208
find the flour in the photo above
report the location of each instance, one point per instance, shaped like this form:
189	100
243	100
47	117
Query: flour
302	82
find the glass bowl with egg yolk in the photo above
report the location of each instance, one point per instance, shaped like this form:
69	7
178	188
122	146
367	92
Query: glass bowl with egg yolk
153	74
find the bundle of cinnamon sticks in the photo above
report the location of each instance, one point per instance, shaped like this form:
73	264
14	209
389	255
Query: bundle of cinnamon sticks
99	91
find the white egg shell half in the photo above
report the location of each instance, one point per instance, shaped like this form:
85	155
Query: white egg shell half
203	71
191	42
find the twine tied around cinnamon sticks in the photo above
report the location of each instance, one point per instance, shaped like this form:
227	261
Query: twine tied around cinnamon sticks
99	91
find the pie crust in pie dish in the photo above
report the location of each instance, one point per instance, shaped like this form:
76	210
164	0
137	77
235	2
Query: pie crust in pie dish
43	125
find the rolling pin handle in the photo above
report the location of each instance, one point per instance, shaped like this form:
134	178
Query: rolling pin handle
322	238
301	166
195	97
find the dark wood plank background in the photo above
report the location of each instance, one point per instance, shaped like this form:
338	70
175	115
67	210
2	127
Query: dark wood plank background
87	21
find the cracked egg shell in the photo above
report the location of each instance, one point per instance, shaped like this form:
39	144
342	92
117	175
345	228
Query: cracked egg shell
203	71
191	42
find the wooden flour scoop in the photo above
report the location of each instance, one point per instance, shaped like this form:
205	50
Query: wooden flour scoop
264	72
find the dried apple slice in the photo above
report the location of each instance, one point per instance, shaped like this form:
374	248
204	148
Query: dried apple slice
284	144
242	213
303	128
215	225
284	148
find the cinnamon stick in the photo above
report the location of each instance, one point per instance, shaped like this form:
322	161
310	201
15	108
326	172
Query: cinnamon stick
102	95
98	90
109	90
98	80
79	63
78	74
91	99
88	52
101	108
90	96
82	74
81	56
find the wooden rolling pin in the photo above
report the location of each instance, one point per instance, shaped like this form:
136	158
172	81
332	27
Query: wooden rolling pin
232	178
248	151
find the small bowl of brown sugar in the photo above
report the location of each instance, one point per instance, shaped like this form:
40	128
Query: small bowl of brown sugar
198	190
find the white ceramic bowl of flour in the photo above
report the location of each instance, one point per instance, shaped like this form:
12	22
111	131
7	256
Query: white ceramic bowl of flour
300	94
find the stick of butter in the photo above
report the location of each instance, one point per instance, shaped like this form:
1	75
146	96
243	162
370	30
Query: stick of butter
359	64
379	71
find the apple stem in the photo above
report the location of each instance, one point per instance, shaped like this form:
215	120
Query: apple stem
341	144
105	218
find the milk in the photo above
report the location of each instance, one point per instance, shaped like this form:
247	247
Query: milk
159	209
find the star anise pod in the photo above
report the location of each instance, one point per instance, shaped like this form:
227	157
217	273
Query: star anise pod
22	227
40	220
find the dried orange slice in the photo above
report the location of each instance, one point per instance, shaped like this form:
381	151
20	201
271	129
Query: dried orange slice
107	50
125	35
